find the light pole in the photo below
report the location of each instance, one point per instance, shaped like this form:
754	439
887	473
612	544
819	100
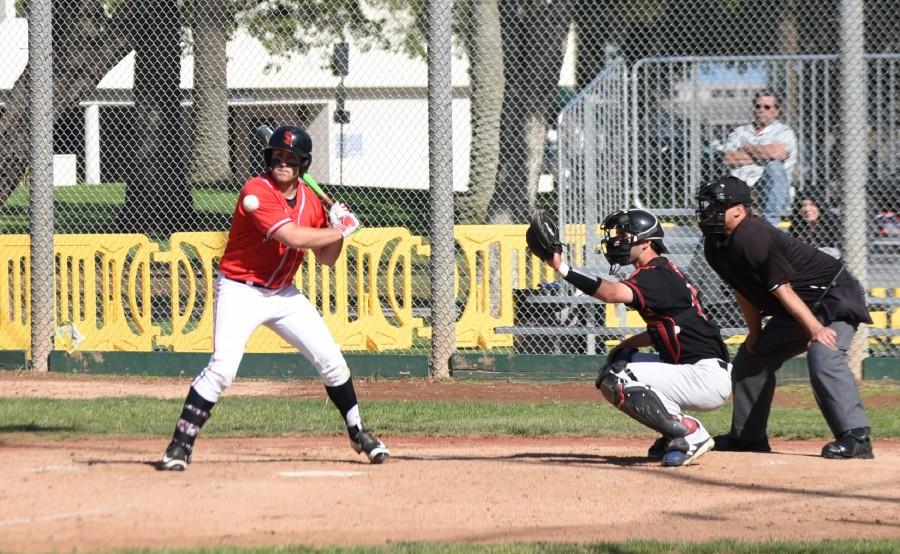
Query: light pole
340	67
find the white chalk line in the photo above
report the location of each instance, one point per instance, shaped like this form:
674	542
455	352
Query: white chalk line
320	473
62	468
60	516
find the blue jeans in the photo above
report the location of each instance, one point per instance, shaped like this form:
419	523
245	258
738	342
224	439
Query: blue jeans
774	192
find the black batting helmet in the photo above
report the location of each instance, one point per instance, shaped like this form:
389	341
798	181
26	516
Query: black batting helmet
290	138
624	228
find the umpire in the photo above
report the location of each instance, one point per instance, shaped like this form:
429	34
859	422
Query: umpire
815	304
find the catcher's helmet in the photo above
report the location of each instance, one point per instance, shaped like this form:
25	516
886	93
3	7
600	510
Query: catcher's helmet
292	139
624	228
716	197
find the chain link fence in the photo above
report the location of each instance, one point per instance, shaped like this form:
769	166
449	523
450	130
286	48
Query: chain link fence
578	107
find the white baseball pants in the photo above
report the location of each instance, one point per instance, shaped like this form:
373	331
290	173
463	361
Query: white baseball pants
240	309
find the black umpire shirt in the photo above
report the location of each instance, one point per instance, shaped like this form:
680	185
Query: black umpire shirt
757	258
662	289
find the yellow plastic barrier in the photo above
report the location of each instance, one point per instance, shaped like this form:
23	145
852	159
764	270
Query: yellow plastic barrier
495	262
377	253
107	283
102	299
15	300
885	317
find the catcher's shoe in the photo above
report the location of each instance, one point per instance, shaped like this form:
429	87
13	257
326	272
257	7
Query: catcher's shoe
855	443
366	442
681	453
658	449
176	458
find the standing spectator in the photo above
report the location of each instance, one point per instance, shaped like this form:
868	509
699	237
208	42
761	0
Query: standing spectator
816	225
763	155
814	305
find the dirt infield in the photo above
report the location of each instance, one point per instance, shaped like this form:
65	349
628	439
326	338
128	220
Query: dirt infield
91	494
14	384
102	494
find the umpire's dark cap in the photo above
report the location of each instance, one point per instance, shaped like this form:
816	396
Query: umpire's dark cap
733	190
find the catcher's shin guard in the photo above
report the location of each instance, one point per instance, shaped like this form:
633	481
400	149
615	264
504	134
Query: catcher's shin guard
641	403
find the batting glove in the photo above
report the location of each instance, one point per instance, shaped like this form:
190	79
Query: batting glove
348	224
336	212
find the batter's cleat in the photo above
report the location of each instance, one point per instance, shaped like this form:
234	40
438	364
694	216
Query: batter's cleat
658	449
176	458
728	443
855	443
374	449
675	456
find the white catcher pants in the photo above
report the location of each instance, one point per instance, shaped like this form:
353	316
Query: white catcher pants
240	309
701	386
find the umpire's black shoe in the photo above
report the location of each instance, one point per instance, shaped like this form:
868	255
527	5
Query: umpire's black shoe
728	443
855	443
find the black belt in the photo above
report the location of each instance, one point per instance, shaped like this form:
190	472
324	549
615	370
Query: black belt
249	283
723	364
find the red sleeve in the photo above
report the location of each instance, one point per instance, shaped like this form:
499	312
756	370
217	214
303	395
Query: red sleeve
314	215
271	214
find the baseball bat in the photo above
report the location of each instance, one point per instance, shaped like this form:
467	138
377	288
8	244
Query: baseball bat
308	179
265	133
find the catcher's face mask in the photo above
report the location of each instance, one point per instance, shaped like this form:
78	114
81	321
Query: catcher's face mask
617	246
624	229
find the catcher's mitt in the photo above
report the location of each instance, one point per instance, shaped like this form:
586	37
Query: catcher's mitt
542	236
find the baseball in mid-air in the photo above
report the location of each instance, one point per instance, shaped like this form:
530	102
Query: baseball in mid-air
250	202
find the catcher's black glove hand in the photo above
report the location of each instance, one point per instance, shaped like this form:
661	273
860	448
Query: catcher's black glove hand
542	236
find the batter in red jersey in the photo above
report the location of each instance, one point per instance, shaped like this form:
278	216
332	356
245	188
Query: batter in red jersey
277	221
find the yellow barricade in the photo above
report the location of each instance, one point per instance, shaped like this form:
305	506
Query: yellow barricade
107	284
353	304
102	299
494	262
884	317
15	297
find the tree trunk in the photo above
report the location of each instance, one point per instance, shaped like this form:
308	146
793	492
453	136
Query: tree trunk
87	43
534	37
14	138
486	71
210	164
157	198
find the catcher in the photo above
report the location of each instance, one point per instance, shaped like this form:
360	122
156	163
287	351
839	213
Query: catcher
690	369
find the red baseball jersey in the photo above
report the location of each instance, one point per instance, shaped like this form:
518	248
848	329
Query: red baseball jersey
252	255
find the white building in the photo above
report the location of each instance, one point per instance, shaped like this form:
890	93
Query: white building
386	139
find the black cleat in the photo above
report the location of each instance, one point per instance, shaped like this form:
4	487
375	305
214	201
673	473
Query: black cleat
855	443
682	453
658	449
374	449
176	458
727	443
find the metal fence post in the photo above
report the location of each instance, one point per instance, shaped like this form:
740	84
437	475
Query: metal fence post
440	166
40	63
854	100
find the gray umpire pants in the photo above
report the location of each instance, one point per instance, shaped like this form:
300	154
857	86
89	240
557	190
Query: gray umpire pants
833	384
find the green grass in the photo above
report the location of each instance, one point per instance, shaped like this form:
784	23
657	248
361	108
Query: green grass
266	417
94	208
629	547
